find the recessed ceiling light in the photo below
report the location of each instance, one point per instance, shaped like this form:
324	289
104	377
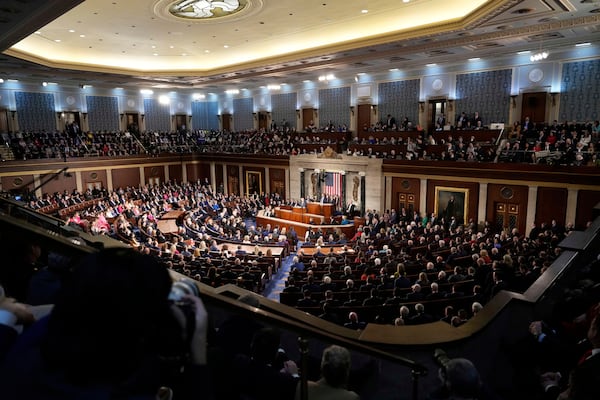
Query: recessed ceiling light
146	91
81	36
431	65
226	46
364	11
154	54
207	51
306	81
184	54
171	47
72	30
57	40
38	32
153	46
361	73
406	1
583	44
524	52
393	69
474	59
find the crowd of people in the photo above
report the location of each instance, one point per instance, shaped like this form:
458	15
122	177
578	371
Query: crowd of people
404	269
411	258
568	143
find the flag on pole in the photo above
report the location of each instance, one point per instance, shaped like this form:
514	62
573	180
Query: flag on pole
333	184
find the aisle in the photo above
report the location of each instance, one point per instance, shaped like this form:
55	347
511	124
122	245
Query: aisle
277	283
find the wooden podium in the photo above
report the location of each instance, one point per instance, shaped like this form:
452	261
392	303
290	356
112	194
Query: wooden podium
325	209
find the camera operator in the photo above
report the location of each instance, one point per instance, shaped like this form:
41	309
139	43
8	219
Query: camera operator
114	334
460	380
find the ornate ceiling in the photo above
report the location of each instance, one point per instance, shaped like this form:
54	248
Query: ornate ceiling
214	44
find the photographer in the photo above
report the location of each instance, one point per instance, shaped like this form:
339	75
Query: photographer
113	333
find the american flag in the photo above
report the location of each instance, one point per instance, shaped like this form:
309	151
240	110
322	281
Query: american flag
333	184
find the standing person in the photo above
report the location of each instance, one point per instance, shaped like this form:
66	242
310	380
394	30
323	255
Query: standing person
390	123
335	370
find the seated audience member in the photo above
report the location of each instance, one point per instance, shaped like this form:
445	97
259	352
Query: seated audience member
420	316
291	287
476	307
335	370
435	292
461	380
107	336
307	300
264	375
583	380
397	299
353	322
373	299
297	264
329	299
352	300
328	313
449	313
415	294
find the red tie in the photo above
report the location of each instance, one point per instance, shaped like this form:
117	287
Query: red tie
585	356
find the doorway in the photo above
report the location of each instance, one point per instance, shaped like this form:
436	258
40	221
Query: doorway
181	122
363	121
507	216
436	109
263	120
226	122
307	118
534	107
133	123
3	120
406	201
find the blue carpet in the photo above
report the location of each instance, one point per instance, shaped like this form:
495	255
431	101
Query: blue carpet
277	283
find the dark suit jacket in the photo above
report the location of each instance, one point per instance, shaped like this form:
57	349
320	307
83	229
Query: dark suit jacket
584	384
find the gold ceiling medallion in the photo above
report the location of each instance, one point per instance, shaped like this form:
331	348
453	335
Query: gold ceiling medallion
206	9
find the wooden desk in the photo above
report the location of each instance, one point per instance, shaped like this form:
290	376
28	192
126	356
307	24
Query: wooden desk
301	227
173	214
167	225
325	209
301	216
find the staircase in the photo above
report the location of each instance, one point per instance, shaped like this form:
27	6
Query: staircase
6	153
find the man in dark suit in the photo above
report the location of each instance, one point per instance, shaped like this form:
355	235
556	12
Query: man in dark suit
397	299
374	299
352	300
583	382
402	282
416	294
420	317
306	301
390	123
350	209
